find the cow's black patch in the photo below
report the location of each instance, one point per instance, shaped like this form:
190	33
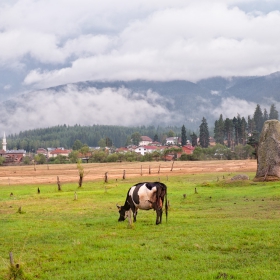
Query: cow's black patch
135	195
150	185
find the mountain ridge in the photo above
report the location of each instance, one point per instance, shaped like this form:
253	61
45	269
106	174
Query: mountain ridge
140	102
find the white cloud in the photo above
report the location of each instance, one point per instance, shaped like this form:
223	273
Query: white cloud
190	42
232	106
86	107
7	87
65	41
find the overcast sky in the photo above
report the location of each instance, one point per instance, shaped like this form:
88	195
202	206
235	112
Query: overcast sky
45	43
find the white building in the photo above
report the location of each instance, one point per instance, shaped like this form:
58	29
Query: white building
172	141
145	140
146	149
4	143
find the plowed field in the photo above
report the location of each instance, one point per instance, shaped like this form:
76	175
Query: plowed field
11	175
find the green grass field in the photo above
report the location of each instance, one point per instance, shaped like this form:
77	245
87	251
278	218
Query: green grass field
228	230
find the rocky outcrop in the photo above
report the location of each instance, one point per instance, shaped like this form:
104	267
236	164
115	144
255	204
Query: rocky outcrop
268	154
240	177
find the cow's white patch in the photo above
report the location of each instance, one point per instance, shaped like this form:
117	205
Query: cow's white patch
146	197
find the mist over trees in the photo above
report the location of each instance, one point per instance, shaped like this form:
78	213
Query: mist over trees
229	132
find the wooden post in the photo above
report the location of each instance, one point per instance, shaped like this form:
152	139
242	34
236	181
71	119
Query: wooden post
158	169
123	175
141	171
166	177
195	191
75	196
106	177
172	166
58	184
38	191
184	195
149	169
34	165
11	259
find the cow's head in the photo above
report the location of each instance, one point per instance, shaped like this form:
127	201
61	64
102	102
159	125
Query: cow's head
123	213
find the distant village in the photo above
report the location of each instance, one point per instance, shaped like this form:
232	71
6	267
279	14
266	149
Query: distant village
146	145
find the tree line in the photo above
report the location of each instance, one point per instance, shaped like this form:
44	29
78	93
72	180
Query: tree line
93	136
230	132
240	130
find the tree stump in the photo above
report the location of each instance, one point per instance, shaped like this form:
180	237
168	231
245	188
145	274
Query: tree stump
268	154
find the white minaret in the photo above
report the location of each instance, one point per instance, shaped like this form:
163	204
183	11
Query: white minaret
4	143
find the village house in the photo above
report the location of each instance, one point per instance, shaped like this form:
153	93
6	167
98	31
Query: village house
145	140
122	150
188	149
42	151
59	151
173	141
147	149
11	156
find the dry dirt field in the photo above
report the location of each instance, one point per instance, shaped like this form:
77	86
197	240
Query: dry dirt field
47	174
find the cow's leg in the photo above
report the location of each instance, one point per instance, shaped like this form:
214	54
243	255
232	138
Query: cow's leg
134	215
159	216
133	209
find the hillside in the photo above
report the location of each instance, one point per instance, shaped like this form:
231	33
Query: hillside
138	103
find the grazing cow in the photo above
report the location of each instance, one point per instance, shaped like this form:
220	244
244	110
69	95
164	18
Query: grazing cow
145	196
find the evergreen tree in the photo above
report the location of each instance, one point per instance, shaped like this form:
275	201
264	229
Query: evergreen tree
228	131
273	114
183	136
251	125
219	131
253	141
204	134
258	118
156	138
108	142
194	139
265	115
243	131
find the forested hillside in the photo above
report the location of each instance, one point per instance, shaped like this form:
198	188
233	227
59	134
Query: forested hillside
65	136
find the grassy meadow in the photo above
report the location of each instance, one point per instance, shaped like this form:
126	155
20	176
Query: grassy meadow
227	230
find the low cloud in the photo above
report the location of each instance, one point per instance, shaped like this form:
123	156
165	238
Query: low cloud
89	106
231	107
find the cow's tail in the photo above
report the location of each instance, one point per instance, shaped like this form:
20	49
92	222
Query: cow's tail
166	205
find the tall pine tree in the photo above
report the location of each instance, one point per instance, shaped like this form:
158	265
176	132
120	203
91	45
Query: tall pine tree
183	136
265	115
194	139
273	113
219	130
204	134
258	118
228	131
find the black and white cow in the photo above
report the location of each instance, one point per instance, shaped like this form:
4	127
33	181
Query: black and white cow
145	196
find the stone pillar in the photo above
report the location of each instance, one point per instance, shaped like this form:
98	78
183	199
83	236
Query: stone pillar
268	154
